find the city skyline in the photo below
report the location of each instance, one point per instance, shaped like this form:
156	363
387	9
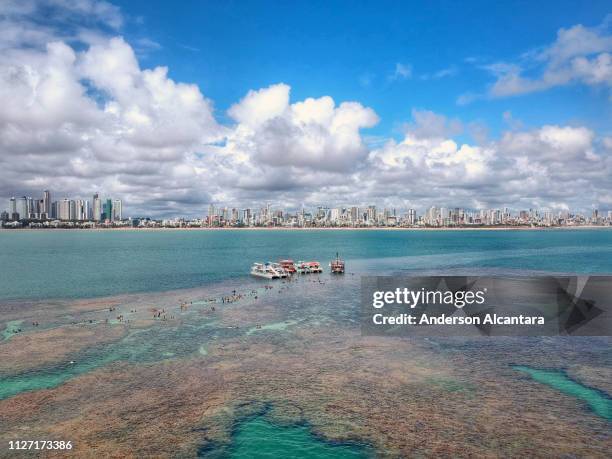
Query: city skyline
169	111
65	209
109	212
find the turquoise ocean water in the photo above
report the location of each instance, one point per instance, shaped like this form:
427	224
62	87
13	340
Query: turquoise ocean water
79	264
43	265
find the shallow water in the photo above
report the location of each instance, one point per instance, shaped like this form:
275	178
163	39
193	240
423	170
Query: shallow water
258	438
279	326
100	263
10	329
51	377
262	342
190	334
599	402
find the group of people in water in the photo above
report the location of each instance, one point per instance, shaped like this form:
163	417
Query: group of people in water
233	297
161	314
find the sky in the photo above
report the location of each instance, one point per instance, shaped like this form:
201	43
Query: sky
172	106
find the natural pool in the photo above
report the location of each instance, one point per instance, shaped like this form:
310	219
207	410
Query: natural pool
11	328
598	401
258	438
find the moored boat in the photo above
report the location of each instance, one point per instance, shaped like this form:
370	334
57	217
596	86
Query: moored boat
309	267
315	267
301	268
278	269
264	270
288	266
337	265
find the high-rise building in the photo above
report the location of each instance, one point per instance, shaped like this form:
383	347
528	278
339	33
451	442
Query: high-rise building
30	211
80	211
46	203
22	208
335	215
97	208
63	210
86	210
40	205
371	214
72	207
117	210
386	214
411	216
246	216
433	216
13	215
107	210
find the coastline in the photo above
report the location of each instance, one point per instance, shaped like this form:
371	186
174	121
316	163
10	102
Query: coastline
276	228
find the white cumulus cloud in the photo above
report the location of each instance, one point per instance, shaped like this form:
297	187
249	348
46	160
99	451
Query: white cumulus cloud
79	114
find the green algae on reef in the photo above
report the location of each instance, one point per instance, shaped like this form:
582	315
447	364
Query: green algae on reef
598	401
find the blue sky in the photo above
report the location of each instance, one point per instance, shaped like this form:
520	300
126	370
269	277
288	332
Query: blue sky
173	106
350	50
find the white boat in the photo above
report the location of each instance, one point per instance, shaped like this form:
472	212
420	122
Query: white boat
288	266
278	268
264	270
309	267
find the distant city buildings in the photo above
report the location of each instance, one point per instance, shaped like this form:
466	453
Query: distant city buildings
26	211
371	216
98	212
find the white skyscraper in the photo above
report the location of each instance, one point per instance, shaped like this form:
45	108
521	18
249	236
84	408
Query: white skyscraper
86	210
97	207
80	210
30	210
117	210
13	209
64	209
46	205
22	207
411	216
335	215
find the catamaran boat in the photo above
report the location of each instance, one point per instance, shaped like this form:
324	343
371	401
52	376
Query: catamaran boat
309	267
278	268
315	267
264	270
301	268
288	266
337	265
